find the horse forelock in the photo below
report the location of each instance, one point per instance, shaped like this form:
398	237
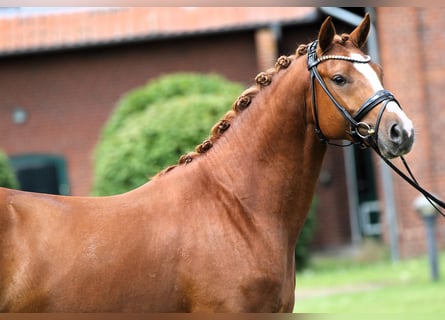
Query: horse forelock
262	80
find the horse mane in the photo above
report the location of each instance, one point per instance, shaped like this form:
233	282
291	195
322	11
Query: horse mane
263	79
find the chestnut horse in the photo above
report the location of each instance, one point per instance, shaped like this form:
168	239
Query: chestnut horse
216	232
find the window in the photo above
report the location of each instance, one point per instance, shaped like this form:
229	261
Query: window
41	173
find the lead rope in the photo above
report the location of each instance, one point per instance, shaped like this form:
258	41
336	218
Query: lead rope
433	200
372	142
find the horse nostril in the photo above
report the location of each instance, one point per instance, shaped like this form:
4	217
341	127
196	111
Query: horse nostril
395	133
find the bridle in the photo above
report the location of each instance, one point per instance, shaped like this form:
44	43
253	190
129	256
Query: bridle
357	127
370	136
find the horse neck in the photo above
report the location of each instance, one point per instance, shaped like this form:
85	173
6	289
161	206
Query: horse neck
270	158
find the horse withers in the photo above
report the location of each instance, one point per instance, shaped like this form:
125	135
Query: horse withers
216	232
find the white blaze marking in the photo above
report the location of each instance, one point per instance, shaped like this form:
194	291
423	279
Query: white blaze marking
371	75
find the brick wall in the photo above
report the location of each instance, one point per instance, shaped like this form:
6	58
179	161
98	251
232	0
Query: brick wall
412	44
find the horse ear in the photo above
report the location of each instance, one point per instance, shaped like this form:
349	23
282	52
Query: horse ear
360	34
326	35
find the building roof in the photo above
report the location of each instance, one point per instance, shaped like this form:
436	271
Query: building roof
27	30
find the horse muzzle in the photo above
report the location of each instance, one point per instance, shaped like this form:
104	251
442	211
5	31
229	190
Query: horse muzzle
396	134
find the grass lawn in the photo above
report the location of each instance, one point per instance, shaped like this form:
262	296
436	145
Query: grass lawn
341	286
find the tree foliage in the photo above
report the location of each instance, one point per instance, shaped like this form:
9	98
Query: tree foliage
303	248
7	176
155	124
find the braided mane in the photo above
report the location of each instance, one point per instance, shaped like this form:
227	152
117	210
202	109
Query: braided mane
263	79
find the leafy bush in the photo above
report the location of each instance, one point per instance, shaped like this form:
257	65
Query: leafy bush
302	251
7	176
155	124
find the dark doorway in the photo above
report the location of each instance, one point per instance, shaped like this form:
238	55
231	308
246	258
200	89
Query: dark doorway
369	208
41	173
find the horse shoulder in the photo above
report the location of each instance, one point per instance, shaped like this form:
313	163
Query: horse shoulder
15	265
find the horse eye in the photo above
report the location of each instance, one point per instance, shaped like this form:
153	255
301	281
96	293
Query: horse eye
339	80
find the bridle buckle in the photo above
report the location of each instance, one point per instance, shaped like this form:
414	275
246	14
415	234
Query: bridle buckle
363	126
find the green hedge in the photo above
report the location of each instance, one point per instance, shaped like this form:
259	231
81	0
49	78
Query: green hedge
303	249
154	125
7	176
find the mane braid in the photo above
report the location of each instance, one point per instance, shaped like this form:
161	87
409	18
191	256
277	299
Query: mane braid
263	79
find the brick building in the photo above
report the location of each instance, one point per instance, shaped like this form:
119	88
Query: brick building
411	43
62	72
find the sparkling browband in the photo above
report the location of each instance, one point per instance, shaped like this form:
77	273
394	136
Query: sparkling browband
366	59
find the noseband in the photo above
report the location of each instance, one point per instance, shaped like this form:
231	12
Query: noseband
357	127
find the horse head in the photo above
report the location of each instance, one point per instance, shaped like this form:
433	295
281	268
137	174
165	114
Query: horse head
348	98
